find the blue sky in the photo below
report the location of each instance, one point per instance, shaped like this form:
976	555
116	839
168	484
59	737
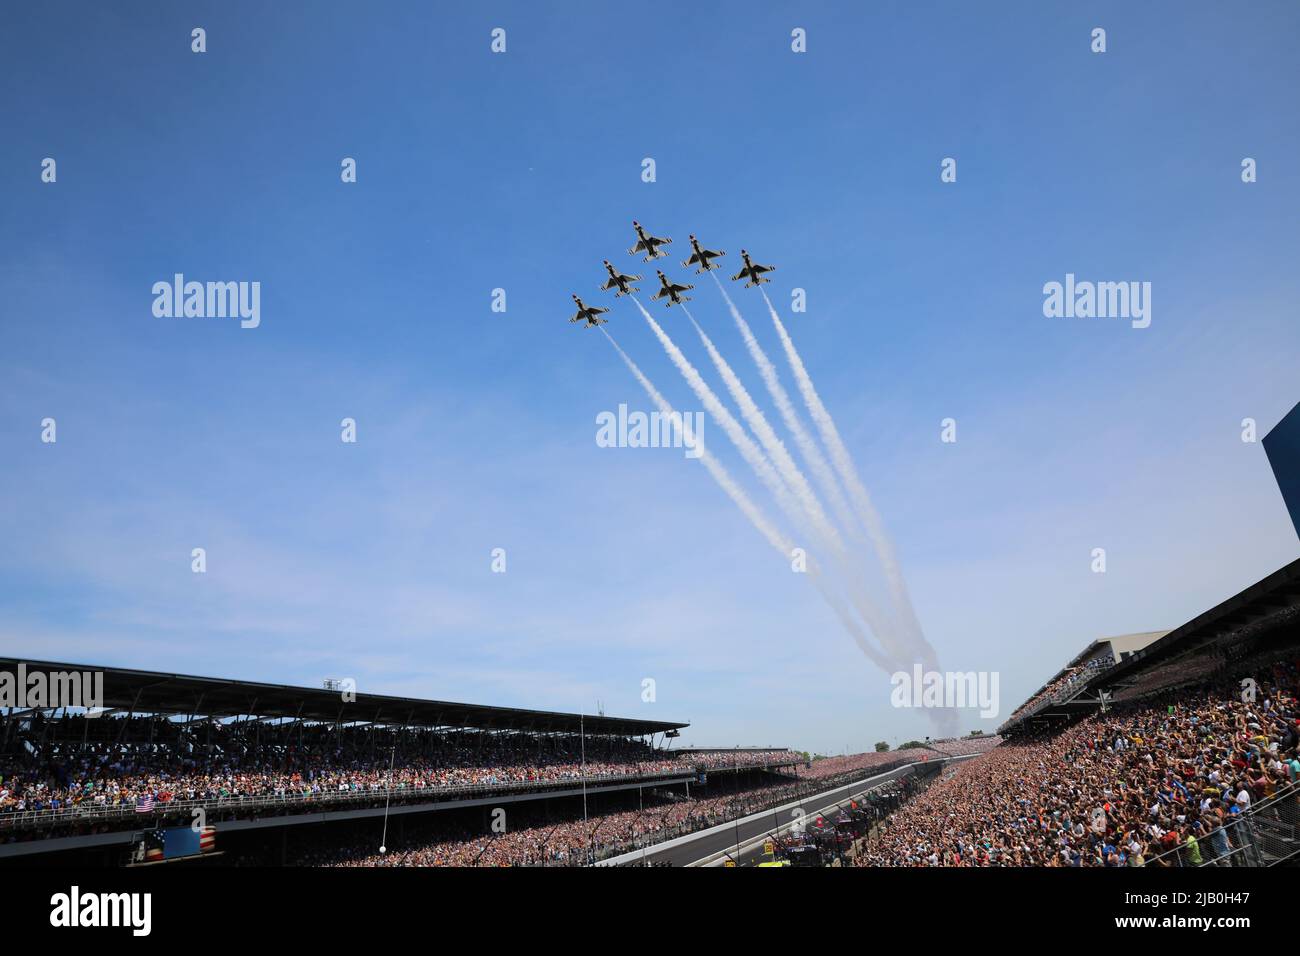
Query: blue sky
477	429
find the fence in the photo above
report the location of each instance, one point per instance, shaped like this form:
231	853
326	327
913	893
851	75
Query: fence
288	801
1265	835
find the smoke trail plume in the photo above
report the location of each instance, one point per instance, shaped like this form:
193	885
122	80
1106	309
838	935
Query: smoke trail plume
750	510
816	461
812	454
848	474
752	454
812	519
720	475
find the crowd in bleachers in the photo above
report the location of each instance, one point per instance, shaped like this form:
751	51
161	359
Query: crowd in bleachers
220	760
880	760
720	759
961	746
873	760
570	842
1141	783
132	762
575	841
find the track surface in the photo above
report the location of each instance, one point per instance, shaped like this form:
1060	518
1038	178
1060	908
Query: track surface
701	846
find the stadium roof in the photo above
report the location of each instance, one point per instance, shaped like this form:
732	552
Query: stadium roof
1268	608
1266	603
157	692
1119	645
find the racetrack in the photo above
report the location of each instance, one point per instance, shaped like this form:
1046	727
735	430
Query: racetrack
710	847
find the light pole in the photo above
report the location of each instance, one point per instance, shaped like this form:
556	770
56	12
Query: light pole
582	743
640	795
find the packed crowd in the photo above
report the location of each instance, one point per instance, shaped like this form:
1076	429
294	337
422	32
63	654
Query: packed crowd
153	761
873	760
218	762
575	842
721	759
1125	788
566	843
961	746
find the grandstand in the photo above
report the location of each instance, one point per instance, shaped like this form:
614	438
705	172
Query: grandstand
247	753
1264	615
1183	750
1100	655
959	746
1161	740
738	759
245	757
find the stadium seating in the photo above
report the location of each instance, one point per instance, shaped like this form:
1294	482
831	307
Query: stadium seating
1157	780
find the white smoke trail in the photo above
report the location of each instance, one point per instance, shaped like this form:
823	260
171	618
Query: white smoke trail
826	480
851	625
848	474
817	463
720	475
750	510
753	416
812	519
752	454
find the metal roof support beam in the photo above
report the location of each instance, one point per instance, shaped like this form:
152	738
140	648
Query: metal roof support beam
127	722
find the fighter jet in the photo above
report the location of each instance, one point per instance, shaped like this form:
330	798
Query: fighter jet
752	272
647	244
624	283
700	257
590	313
674	292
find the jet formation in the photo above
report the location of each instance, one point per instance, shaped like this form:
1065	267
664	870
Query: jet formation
621	284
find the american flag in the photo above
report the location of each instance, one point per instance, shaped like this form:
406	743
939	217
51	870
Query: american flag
153	846
144	804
